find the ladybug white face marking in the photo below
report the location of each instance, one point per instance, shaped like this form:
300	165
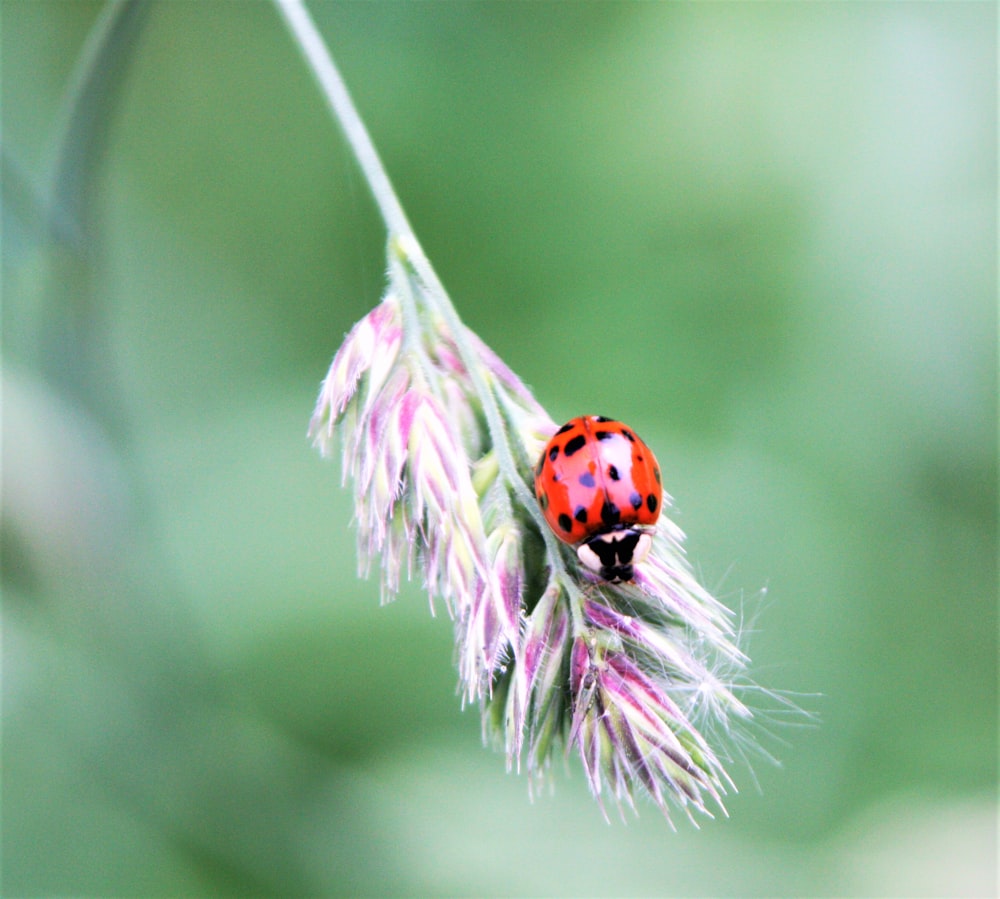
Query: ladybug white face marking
614	554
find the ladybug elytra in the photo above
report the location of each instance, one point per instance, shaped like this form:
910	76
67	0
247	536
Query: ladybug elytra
598	486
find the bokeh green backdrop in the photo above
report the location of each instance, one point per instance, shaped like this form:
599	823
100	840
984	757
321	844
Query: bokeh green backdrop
764	234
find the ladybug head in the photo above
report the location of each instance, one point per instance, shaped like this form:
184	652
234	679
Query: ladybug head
613	554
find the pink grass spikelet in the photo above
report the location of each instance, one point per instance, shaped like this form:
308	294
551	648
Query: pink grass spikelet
537	704
368	350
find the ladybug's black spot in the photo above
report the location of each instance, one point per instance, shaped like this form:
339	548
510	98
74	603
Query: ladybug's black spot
565	428
543	500
635	499
601	418
575	444
629	436
581	514
587	479
610	513
656	474
604	435
613	473
652	503
565	522
540	465
553	454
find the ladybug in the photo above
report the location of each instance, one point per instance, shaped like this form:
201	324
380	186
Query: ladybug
599	488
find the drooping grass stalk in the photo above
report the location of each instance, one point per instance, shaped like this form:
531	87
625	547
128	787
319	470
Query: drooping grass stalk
621	673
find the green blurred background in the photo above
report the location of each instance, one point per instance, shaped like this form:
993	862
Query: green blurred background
764	234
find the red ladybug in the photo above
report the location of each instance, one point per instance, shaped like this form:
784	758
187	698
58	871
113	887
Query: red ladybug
599	489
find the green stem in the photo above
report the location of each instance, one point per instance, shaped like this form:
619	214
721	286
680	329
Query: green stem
399	276
318	57
575	600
